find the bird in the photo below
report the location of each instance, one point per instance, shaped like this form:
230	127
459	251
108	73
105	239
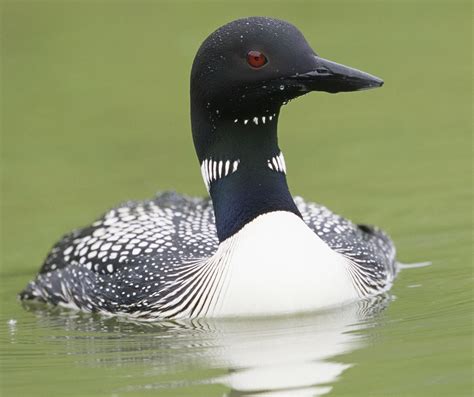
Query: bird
249	248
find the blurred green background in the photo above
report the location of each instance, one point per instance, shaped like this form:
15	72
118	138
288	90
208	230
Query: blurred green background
95	111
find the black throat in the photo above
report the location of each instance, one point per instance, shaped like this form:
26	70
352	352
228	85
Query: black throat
242	165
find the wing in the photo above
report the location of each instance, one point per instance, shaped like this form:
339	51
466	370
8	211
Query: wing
160	234
153	228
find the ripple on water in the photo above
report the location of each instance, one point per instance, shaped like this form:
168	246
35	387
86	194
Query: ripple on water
288	355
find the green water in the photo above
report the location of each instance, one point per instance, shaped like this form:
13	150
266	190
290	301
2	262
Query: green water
95	112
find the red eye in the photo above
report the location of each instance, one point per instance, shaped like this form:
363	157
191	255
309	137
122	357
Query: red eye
256	59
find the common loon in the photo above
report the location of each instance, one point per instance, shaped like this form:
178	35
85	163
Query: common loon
251	249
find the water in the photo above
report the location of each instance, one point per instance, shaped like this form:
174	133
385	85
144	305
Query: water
95	111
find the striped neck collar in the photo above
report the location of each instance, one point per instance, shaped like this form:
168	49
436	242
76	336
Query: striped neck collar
242	166
213	170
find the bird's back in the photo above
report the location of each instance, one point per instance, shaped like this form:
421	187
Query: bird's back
130	259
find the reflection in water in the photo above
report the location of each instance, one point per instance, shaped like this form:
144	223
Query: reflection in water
279	356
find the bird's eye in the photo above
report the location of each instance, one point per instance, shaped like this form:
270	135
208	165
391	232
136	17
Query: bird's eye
256	59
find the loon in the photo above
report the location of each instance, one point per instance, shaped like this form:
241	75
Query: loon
251	248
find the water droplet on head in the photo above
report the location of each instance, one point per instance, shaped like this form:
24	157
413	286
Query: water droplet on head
282	87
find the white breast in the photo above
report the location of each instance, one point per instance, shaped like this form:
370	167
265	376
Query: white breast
276	265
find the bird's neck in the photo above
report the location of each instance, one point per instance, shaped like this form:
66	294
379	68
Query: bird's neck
243	168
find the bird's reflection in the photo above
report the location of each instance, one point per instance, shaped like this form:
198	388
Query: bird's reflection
278	356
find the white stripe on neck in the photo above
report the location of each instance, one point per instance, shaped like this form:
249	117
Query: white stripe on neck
277	163
212	170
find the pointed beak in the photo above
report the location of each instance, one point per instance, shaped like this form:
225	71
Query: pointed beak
333	77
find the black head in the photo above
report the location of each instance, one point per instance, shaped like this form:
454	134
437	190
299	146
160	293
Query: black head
242	74
243	64
253	66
